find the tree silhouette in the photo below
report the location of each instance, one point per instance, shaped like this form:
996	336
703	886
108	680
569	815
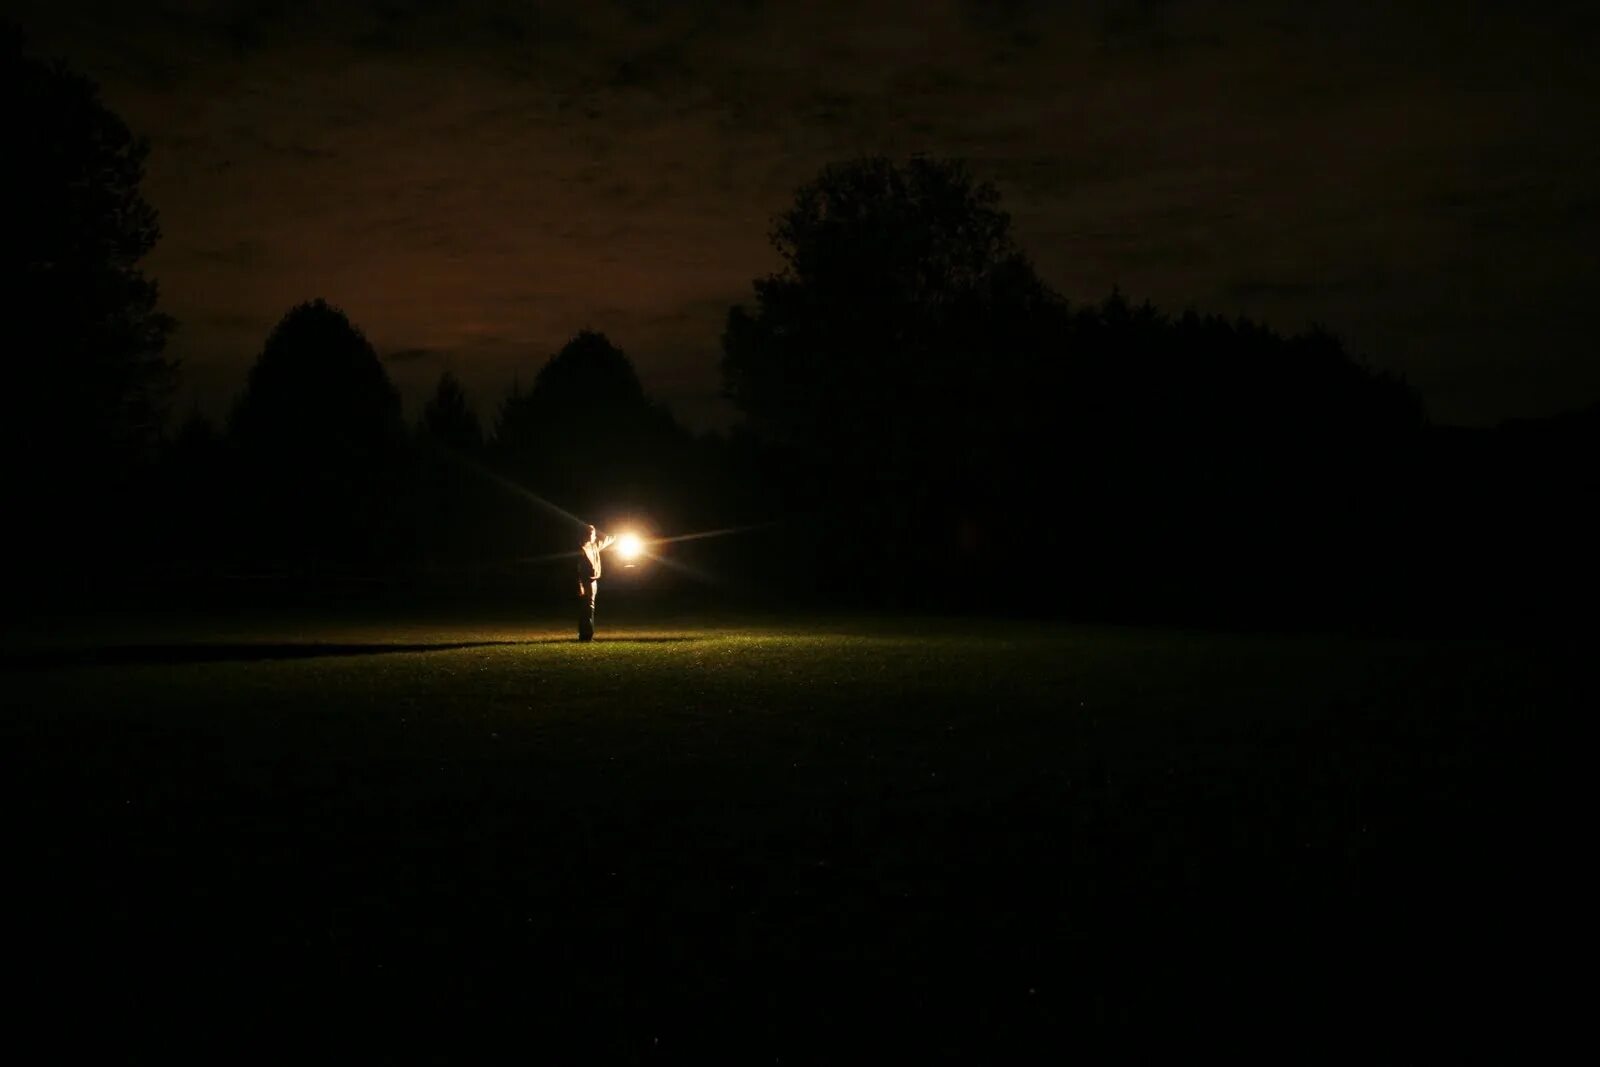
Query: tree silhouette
196	486
893	274
448	419
321	439
885	353
937	400
461	513
586	433
318	391
86	393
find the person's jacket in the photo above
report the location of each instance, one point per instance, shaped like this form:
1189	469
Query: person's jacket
589	560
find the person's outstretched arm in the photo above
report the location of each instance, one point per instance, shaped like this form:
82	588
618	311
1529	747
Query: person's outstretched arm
606	541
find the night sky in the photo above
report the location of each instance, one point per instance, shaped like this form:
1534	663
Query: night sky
475	181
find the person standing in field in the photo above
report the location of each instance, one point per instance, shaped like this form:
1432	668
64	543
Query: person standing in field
589	580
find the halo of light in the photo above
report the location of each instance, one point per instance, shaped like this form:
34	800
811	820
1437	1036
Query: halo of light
629	546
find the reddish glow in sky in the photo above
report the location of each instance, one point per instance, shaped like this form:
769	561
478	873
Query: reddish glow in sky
475	181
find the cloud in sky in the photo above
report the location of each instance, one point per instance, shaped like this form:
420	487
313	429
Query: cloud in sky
482	179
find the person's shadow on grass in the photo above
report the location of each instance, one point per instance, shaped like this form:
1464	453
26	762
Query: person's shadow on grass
179	653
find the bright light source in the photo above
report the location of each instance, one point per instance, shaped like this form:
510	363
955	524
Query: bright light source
629	546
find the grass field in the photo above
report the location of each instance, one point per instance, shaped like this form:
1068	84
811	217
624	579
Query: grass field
780	839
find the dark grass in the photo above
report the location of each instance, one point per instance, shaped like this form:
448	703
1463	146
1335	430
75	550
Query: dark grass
788	842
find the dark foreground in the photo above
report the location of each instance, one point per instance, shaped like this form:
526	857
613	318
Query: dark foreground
786	843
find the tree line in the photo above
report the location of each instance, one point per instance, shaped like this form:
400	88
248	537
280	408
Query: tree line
923	423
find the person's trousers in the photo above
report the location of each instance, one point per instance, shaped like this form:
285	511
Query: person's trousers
588	590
